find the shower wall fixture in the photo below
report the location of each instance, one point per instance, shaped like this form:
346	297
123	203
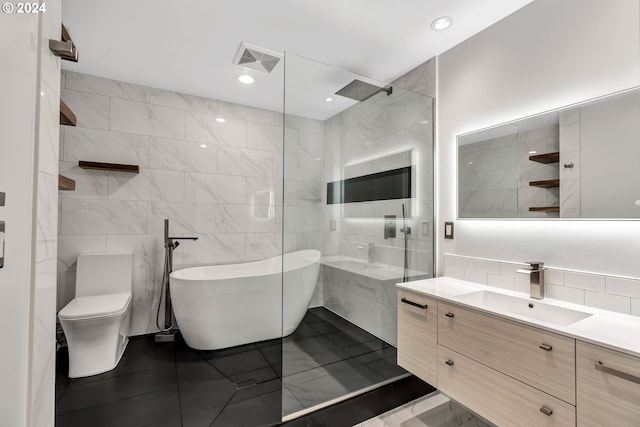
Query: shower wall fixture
361	91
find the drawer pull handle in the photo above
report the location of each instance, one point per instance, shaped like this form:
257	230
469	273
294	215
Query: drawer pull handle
546	347
449	315
624	375
547	411
449	362
415	304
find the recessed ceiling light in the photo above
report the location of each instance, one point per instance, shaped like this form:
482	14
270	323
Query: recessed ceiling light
442	23
470	163
246	79
328	99
533	152
203	145
220	120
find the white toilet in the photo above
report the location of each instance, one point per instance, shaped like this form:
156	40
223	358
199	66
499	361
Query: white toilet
96	321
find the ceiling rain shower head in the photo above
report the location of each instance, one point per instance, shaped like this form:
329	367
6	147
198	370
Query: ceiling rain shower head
361	91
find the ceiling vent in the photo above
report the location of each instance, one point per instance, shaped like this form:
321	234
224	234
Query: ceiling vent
256	58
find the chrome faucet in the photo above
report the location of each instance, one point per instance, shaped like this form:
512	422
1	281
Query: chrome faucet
536	278
170	244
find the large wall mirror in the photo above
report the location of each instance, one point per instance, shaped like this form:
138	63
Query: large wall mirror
582	161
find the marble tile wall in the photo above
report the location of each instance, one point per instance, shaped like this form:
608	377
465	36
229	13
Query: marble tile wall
494	175
488	178
46	235
304	194
607	292
374	135
363	300
570	156
221	182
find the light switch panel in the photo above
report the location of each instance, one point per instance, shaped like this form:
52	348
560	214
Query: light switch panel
1	244
2	197
448	230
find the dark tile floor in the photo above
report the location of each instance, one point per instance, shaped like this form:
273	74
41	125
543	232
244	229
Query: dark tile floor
328	357
250	385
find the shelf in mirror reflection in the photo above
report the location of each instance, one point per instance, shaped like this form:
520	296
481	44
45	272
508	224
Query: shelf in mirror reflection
544	209
546	158
545	183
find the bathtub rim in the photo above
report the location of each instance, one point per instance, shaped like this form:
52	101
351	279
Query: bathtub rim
187	274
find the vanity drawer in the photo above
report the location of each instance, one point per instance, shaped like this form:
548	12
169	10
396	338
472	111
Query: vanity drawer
499	398
608	384
539	358
417	335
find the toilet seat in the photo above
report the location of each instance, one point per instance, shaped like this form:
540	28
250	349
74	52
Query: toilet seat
98	306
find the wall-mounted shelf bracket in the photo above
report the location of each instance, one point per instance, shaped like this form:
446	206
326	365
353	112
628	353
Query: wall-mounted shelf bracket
67	117
65	49
66	184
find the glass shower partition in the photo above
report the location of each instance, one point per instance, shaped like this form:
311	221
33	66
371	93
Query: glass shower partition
357	218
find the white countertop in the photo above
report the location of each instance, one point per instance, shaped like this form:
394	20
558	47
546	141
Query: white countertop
616	331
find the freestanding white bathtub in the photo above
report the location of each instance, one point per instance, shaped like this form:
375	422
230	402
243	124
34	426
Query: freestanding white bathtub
222	306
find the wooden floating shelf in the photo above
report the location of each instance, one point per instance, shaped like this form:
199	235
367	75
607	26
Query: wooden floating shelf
67	117
545	209
546	158
116	167
66	184
547	183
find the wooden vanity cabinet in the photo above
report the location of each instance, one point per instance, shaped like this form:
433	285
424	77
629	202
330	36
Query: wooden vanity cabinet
608	387
497	397
418	335
513	374
539	358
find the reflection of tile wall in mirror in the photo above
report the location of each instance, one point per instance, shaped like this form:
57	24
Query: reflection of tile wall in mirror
487	178
592	152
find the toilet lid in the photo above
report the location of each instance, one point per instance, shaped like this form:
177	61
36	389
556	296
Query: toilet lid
95	306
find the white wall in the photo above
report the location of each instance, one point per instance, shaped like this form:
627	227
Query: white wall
28	175
46	232
546	55
17	111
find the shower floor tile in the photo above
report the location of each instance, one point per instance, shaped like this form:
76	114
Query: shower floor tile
251	385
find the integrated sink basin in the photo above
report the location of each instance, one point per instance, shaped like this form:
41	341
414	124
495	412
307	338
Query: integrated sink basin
532	309
352	265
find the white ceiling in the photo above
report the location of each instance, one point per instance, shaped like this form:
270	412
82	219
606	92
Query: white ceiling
189	46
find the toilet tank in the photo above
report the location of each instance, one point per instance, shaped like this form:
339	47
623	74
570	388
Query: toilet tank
100	274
